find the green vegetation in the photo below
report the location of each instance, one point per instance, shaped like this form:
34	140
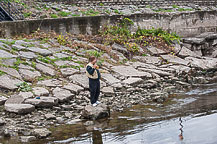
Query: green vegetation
101	4
8	42
116	11
64	14
95	53
90	12
27	14
24	87
187	9
53	16
175	6
1	73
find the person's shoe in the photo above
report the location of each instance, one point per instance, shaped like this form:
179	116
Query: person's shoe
95	104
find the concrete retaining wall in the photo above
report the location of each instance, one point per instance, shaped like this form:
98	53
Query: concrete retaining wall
185	24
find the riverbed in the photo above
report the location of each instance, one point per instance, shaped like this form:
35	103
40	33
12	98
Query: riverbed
185	118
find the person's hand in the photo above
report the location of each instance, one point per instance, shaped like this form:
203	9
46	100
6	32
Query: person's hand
95	66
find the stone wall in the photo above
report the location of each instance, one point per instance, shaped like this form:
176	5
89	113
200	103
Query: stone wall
186	24
138	2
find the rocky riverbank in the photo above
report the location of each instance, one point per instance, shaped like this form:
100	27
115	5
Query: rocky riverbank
43	83
43	10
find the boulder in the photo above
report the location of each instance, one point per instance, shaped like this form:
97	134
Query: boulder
43	102
129	71
41	133
159	72
11	72
50	116
7	82
2	100
40	91
208	63
62	94
119	48
197	41
132	81
29	75
15	99
26	95
2	122
44	69
18	47
94	113
185	52
73	88
19	108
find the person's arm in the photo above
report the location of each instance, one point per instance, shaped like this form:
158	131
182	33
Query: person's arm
90	70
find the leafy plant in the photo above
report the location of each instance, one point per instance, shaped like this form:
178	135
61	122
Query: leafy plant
133	47
95	53
53	16
24	87
64	14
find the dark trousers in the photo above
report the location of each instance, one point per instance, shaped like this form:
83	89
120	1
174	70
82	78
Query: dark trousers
94	86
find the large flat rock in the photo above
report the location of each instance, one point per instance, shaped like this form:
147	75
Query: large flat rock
43	102
132	81
62	94
11	72
80	79
19	108
68	71
5	54
109	78
175	60
7	82
45	69
40	91
129	71
15	99
206	63
43	52
50	83
155	51
73	88
156	71
27	55
29	75
148	59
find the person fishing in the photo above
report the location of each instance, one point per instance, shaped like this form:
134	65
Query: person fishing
92	72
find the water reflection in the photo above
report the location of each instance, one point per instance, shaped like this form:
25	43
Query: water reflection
97	137
181	129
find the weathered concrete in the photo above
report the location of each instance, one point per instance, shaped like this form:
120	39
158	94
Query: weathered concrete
185	24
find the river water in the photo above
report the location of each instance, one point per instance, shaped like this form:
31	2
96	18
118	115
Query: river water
186	118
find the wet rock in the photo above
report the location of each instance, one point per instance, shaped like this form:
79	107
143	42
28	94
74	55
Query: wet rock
132	81
28	55
44	69
50	116
7	82
50	83
108	91
43	102
175	60
5	54
29	75
62	94
93	113
11	72
19	108
73	88
43	52
156	51
129	71
2	100
41	133
80	79
40	91
27	139
109	78
68	71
